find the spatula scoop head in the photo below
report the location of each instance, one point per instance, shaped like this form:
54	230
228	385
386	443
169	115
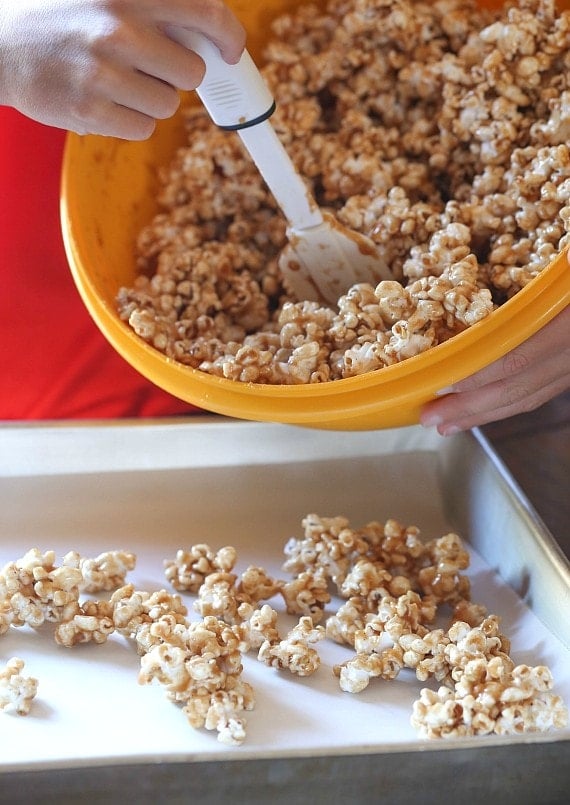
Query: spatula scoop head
322	263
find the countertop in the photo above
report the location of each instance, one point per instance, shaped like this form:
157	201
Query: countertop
536	449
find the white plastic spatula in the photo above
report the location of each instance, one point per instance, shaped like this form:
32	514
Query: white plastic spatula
323	258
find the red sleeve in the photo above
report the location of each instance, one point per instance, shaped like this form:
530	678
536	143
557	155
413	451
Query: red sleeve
54	362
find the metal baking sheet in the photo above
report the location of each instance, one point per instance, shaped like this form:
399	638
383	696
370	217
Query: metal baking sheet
153	487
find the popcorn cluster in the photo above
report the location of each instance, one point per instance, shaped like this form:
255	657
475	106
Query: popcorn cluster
438	129
200	666
491	696
16	691
35	590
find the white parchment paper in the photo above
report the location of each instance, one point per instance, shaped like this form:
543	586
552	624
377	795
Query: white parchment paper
89	707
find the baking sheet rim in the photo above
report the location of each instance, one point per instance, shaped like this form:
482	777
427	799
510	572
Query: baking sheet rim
244	754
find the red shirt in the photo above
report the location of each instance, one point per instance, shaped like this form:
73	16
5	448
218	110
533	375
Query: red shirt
54	362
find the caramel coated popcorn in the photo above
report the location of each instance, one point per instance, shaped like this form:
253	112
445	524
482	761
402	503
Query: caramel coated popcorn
395	601
295	652
201	669
188	569
396	585
106	571
440	130
393	585
16	691
34	589
492	697
93	623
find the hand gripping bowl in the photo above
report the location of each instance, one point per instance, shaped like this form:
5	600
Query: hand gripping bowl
108	195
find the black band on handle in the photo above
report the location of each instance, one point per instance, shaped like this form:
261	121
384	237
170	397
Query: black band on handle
249	123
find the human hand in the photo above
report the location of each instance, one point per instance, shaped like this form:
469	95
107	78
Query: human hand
524	379
106	66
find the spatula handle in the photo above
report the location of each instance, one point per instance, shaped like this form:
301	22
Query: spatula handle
237	98
235	95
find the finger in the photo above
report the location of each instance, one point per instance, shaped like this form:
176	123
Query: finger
209	17
151	52
113	120
121	102
507	392
530	403
464	410
172	63
531	352
517	361
141	93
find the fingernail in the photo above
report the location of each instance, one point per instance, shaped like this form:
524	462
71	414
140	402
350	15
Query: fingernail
444	391
448	430
431	420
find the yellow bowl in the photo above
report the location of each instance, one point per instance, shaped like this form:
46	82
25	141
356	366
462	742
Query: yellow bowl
108	195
